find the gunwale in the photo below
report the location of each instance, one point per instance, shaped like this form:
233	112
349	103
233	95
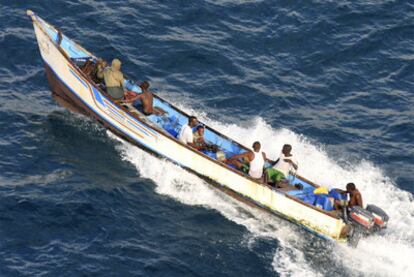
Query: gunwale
166	135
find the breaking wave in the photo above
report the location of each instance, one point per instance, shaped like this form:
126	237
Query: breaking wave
390	254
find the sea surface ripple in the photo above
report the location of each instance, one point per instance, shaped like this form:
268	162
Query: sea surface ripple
333	78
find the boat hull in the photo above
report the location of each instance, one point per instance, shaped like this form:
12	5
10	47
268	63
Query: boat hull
73	91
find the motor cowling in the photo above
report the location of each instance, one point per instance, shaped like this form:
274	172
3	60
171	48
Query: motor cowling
380	217
361	217
364	222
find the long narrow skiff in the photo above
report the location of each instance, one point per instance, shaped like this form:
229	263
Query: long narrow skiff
75	90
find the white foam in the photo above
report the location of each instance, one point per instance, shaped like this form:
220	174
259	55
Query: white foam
389	255
187	188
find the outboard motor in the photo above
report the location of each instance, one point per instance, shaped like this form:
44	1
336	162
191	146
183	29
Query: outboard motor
364	222
361	217
380	217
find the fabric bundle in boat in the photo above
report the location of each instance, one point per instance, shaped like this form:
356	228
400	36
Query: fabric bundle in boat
321	190
324	202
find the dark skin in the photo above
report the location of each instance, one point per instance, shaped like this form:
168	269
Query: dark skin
100	66
146	99
192	123
246	157
286	150
201	144
355	197
60	37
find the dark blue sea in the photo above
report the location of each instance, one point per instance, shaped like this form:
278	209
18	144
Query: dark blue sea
333	78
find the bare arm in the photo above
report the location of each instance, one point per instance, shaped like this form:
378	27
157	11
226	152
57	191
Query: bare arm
139	97
100	73
341	191
192	144
275	162
240	156
268	160
101	65
358	199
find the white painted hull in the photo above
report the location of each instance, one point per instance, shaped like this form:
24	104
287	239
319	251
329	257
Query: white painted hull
155	140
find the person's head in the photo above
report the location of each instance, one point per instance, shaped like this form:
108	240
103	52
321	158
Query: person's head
116	65
192	121
101	62
144	85
200	130
350	187
286	149
256	146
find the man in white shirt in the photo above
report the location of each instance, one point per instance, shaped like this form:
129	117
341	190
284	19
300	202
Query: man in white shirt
281	168
186	132
255	161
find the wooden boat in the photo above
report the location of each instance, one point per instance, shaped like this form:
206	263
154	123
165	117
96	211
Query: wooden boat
74	89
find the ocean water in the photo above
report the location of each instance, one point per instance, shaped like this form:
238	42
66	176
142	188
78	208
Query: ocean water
332	78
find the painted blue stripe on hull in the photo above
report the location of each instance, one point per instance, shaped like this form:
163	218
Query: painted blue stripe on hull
98	96
79	79
113	109
95	111
141	126
138	127
176	162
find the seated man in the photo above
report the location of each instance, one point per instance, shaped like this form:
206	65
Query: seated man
281	168
255	159
200	143
198	136
100	67
355	197
186	132
114	79
147	99
94	70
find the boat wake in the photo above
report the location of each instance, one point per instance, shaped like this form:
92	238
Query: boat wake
390	254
